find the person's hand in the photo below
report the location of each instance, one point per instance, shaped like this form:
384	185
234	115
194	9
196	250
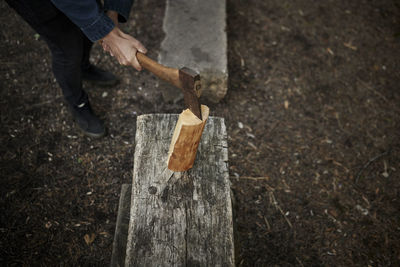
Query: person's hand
123	47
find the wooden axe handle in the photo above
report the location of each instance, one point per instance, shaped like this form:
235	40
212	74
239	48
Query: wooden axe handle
185	79
168	74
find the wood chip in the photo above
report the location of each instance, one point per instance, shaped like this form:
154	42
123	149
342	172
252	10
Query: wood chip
286	104
349	45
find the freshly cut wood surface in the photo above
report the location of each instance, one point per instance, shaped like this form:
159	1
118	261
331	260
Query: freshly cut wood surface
180	218
186	139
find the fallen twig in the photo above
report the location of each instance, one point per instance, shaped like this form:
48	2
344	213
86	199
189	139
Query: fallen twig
272	199
284	216
266	178
267	223
369	163
373	90
298	260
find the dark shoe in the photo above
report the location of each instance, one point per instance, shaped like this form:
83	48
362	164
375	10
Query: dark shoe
99	76
89	123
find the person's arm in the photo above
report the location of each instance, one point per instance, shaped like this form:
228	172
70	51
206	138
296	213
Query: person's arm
97	25
120	45
88	16
121	7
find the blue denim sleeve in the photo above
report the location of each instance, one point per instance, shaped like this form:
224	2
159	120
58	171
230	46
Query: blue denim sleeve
122	7
88	16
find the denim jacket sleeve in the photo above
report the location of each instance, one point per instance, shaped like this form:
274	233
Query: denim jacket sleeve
122	7
90	17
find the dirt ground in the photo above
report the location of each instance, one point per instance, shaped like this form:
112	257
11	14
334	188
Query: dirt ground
313	117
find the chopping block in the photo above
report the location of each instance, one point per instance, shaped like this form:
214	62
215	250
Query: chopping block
168	218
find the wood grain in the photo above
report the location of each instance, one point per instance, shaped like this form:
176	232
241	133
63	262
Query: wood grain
180	218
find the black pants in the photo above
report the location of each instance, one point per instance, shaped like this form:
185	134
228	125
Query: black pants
69	47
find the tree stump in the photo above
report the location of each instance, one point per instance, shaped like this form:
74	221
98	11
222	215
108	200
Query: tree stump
180	218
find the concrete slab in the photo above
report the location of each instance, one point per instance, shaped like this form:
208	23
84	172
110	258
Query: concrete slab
196	38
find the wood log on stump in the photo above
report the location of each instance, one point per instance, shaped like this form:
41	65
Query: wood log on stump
186	139
180	218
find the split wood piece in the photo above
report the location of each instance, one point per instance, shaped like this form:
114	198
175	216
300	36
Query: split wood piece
180	218
186	139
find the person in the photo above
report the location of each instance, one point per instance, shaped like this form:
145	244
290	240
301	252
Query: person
70	28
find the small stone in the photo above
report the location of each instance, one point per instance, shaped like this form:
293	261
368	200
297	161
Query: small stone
362	210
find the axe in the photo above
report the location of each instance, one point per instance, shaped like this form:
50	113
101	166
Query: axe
191	122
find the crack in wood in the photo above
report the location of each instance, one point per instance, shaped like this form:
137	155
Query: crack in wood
186	233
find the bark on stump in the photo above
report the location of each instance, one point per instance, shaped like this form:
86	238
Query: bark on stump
180	218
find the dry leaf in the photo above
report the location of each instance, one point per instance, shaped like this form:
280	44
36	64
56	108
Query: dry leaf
333	213
89	239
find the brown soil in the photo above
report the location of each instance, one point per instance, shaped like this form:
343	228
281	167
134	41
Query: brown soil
313	121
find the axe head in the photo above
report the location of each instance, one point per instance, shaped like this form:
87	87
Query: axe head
191	87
